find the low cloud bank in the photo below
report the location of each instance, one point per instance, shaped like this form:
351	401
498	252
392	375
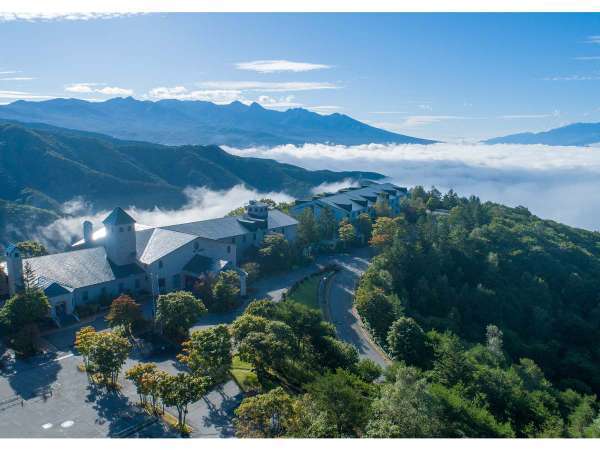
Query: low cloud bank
559	183
202	204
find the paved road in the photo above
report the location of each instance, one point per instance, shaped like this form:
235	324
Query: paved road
339	299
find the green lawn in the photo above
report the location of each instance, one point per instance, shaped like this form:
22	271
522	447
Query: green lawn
307	293
243	375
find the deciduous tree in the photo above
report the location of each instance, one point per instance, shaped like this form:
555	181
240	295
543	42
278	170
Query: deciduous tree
177	312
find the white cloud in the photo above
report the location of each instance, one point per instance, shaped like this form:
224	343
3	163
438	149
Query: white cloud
593	39
279	65
264	86
334	187
555	113
573	78
17	79
114	90
201	204
89	88
557	183
44	17
282	102
219	96
80	88
18	95
7	72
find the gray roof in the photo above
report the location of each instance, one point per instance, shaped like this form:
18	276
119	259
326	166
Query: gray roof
80	268
226	227
353	199
155	243
118	217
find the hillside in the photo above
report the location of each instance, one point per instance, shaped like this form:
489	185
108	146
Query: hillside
581	134
43	166
175	122
536	280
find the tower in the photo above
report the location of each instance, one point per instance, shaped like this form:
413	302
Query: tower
88	232
120	242
14	264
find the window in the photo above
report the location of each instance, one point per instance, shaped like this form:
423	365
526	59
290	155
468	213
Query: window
160	264
85	296
233	240
103	291
229	249
254	236
137	284
121	229
244	238
176	281
161	285
196	245
129	228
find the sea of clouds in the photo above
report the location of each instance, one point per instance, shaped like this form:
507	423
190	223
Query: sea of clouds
560	183
201	204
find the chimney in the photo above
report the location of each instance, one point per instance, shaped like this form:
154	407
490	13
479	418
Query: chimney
14	264
88	232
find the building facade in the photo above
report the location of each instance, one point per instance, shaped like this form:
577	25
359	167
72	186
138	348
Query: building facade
126	257
350	202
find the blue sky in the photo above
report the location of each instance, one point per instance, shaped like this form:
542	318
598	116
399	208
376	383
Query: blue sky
442	76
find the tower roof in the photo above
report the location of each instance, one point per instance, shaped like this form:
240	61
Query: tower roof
118	217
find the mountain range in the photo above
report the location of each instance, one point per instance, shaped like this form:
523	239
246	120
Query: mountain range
42	166
581	134
176	122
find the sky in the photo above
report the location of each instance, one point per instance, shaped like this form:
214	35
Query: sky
451	77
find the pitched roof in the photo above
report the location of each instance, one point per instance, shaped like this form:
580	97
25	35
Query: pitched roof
80	268
225	227
158	242
118	217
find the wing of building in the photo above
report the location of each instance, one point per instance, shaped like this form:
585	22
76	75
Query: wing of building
124	256
350	202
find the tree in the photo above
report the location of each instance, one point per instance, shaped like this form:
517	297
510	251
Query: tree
208	353
377	309
253	271
226	290
404	408
343	401
20	315
308	232
364	226
124	311
367	370
268	415
138	375
84	339
107	354
347	233
177	311
32	248
383	232
179	391
494	340
326	224
274	253
406	342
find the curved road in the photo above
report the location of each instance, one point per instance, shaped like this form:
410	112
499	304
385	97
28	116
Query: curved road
339	296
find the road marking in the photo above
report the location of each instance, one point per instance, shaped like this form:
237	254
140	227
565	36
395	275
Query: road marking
67	424
64	357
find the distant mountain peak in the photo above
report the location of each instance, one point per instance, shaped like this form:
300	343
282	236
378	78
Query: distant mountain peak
575	134
178	122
